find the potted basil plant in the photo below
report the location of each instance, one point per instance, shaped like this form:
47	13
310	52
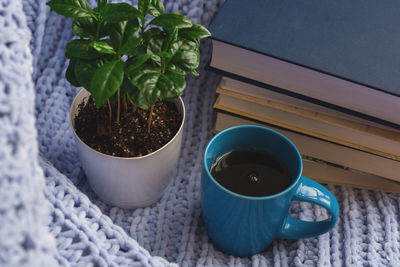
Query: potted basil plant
128	119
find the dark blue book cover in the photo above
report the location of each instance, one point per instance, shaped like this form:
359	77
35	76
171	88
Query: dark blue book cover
355	40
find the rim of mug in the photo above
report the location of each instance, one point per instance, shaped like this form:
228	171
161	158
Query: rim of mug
294	182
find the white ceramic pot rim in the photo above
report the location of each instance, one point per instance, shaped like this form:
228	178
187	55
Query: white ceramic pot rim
126	158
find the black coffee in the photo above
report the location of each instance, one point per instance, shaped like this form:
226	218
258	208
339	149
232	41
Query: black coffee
251	172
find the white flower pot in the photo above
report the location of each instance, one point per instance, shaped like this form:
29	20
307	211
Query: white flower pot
129	182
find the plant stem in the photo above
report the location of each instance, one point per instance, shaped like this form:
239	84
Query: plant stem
149	119
141	30
109	111
98	30
118	105
125	103
133	104
143	25
163	65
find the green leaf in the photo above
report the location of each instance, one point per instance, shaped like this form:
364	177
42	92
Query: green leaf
179	84
84	70
79	48
171	20
141	49
155	46
196	32
152	33
136	62
134	95
101	4
156	59
120	12
71	8
164	54
106	81
102	47
138	99
143	6
127	87
154	39
175	69
185	57
145	69
87	27
122	31
148	92
70	73
156	8
153	85
130	45
171	38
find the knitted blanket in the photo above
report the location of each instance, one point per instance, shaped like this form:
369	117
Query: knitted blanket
49	216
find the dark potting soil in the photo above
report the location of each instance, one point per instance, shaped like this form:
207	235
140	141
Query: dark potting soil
130	137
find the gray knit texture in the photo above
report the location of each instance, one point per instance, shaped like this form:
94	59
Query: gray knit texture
49	216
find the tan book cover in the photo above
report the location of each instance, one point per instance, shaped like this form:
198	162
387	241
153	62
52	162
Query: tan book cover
339	130
347	157
328	174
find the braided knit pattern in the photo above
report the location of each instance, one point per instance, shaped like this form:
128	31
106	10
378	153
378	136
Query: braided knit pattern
24	211
49	216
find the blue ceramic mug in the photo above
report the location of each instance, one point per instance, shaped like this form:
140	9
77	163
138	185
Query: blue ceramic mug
244	225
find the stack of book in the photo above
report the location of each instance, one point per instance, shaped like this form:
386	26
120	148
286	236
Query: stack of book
324	74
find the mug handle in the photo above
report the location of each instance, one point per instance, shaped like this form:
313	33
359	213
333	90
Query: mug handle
311	191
